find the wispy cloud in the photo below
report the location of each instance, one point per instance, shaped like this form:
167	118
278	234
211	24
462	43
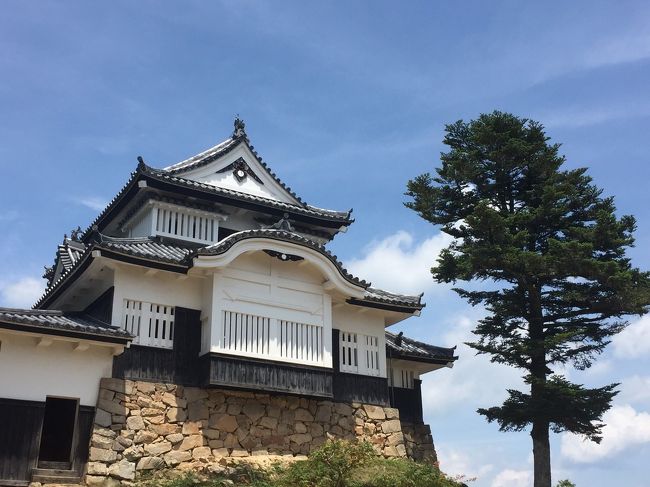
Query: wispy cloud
384	262
92	202
634	341
21	293
577	117
513	478
624	428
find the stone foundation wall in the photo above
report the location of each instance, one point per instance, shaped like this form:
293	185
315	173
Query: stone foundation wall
144	426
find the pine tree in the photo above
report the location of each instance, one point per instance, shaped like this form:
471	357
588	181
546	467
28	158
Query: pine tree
550	251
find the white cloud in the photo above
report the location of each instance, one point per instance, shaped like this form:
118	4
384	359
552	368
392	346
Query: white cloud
456	463
398	264
21	293
625	48
635	389
473	381
92	202
634	341
513	478
624	428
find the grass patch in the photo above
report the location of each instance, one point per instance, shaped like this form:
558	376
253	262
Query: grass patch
335	464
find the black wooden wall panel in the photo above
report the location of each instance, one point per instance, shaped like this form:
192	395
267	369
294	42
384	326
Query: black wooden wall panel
179	365
408	401
20	435
361	388
269	376
356	387
102	308
20	432
187	345
85	421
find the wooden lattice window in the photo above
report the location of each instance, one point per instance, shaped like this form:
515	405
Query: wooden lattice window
152	324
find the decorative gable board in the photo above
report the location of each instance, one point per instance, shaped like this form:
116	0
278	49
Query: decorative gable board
239	170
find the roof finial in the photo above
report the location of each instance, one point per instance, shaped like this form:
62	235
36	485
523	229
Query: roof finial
240	128
141	164
75	234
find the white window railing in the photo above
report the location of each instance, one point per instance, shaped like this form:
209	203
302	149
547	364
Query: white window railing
400	377
348	351
271	338
152	324
300	341
176	222
359	354
372	355
246	333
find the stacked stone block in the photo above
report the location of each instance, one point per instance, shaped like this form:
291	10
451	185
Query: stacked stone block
144	426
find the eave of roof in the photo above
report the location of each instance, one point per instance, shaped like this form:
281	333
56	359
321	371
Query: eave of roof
380	299
54	322
155	177
342	217
418	351
158	253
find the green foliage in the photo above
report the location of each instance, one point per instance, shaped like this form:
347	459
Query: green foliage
402	473
551	252
331	465
565	483
335	464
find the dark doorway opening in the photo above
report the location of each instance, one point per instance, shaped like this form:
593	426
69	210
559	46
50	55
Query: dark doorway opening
58	430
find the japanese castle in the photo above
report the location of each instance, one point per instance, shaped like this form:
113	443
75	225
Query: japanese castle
201	316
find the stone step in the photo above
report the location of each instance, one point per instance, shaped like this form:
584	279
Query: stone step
55	476
54	465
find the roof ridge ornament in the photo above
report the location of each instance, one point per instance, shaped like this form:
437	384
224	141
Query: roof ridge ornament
282	224
75	234
240	128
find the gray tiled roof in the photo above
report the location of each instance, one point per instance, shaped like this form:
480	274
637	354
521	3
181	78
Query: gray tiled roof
162	175
158	250
204	157
344	217
414	350
380	296
51	320
147	248
69	253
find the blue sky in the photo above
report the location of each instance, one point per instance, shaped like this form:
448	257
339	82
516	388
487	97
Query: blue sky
346	101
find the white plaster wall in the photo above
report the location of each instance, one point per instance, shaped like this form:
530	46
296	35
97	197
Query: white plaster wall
31	373
169	288
363	321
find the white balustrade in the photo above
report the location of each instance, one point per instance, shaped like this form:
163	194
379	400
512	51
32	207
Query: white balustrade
300	341
273	339
349	352
359	354
246	333
152	324
175	222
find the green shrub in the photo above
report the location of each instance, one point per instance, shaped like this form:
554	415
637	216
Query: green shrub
565	483
400	472
335	464
332	465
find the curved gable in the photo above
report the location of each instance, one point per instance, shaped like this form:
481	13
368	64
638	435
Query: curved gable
285	246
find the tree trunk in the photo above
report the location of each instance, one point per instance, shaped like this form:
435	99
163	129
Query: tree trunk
541	454
538	370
